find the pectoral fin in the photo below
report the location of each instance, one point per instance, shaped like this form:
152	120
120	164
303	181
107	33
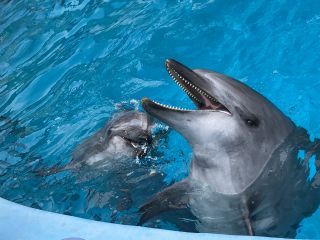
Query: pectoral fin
172	198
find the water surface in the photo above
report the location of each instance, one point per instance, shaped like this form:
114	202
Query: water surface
67	66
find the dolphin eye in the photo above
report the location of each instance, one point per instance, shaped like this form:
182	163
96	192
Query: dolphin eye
252	122
249	119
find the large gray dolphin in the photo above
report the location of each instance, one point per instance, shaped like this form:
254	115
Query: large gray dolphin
244	175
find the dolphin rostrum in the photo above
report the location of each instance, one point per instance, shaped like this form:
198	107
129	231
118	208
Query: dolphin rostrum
245	176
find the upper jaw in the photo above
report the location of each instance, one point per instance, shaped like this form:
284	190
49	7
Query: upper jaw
189	81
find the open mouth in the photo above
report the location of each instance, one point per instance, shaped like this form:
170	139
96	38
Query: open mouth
186	79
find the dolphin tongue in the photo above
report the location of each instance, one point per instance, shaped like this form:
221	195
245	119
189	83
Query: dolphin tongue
206	104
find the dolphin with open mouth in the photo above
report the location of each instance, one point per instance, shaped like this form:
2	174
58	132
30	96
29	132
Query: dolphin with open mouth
245	177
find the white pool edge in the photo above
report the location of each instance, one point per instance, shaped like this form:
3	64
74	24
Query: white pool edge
18	222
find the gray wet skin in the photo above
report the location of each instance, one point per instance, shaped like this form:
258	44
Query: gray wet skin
244	159
224	131
126	135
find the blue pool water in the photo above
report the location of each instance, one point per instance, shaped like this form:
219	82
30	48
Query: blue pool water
67	66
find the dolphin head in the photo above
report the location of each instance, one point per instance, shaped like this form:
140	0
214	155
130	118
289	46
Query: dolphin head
131	129
233	131
126	136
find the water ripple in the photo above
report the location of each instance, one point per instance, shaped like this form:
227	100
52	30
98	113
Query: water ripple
67	65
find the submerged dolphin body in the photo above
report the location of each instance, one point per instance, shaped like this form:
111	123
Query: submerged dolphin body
245	177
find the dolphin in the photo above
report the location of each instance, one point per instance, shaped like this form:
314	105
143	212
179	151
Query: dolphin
245	177
126	136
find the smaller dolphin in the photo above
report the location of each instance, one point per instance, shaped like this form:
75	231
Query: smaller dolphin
126	136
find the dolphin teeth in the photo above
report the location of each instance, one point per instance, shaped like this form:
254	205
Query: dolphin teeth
175	76
171	107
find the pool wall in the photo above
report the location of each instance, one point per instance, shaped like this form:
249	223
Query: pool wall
18	222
